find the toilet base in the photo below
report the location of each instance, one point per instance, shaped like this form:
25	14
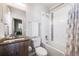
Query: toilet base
40	51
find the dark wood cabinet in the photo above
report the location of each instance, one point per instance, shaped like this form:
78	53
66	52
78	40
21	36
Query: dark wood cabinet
17	48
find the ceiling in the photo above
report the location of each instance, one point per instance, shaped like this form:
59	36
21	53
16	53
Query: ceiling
22	6
49	5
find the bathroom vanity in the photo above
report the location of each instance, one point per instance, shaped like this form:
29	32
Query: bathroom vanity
14	47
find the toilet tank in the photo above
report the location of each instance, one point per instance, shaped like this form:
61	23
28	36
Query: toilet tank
36	42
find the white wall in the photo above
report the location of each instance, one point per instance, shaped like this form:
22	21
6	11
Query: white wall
1	23
1	33
7	17
0	11
34	14
1	30
9	13
45	26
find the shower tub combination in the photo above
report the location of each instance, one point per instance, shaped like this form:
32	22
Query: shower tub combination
53	50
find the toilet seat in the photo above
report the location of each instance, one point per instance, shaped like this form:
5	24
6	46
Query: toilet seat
41	51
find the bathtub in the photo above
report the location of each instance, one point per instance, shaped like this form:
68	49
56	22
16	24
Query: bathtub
52	51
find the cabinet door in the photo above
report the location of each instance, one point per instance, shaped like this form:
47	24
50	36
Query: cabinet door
23	49
15	49
26	44
1	50
9	50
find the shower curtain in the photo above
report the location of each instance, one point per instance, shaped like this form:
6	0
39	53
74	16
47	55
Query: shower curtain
72	45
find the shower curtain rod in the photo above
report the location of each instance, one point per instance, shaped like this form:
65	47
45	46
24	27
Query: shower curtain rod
56	6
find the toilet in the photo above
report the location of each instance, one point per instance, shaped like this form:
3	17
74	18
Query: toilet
40	51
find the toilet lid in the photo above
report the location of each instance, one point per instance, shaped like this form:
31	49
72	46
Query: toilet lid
41	51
